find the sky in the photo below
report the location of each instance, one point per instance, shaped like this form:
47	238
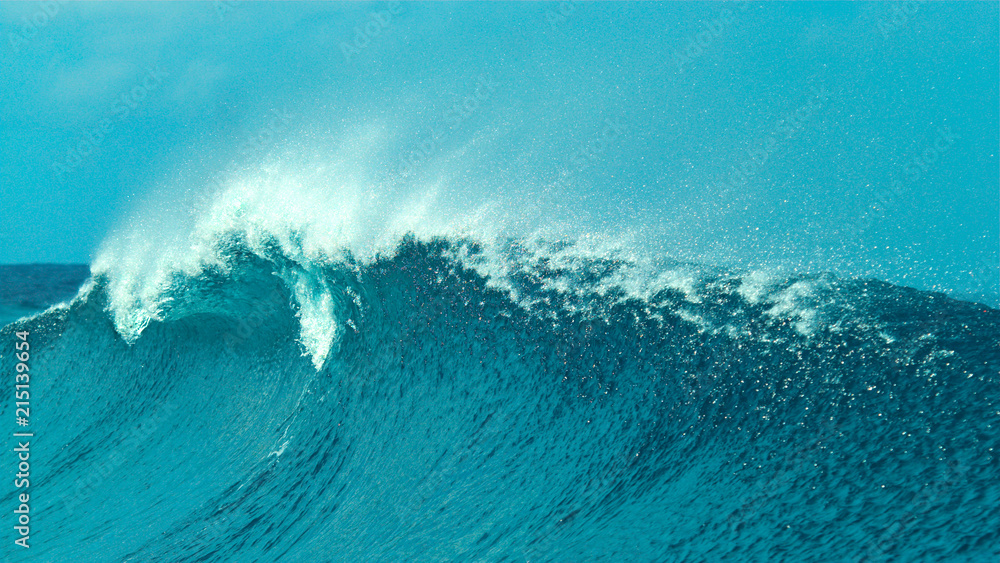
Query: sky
860	138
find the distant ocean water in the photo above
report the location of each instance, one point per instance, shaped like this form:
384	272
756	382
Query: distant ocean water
456	400
26	289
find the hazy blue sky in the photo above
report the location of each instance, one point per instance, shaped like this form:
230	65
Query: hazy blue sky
867	134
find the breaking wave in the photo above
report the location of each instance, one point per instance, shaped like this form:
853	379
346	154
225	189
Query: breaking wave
506	399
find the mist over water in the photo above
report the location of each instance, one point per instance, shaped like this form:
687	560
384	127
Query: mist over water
854	138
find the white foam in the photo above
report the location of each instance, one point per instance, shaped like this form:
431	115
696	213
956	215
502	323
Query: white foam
313	206
309	207
317	315
757	285
797	302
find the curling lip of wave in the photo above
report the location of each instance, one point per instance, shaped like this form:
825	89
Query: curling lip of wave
584	276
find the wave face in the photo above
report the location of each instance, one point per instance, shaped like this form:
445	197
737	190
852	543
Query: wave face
453	401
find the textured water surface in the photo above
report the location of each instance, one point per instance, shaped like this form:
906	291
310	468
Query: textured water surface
553	415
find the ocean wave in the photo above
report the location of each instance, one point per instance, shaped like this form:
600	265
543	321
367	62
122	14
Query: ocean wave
519	399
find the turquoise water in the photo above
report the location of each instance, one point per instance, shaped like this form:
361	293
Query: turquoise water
502	282
404	410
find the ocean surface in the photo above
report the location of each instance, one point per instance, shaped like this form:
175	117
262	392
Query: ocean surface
516	400
27	289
